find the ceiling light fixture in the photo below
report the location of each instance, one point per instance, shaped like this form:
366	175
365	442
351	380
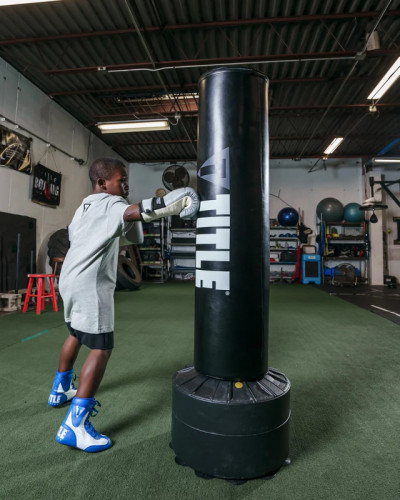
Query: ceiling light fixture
387	81
386	159
333	145
133	126
3	3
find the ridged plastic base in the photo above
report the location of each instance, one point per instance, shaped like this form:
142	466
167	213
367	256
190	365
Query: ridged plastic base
228	429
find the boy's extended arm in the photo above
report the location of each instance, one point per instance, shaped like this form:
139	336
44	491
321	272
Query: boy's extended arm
132	213
184	202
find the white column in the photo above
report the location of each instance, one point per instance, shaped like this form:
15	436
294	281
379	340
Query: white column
376	257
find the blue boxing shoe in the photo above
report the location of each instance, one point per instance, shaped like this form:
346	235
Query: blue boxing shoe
63	388
77	430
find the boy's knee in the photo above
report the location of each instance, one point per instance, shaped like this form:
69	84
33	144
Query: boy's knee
106	353
103	354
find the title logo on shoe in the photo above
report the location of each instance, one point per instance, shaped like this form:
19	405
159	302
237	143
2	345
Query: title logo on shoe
213	225
62	432
54	399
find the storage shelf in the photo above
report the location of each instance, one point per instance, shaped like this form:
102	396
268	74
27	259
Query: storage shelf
175	244
284	239
345	258
351	235
286	268
154	266
291	249
274	263
182	255
345	240
346	224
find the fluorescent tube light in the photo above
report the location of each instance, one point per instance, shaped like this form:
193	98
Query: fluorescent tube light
387	81
386	159
133	126
333	145
3	3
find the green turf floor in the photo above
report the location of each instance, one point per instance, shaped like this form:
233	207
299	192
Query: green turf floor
343	363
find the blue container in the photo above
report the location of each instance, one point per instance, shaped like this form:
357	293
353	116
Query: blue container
311	265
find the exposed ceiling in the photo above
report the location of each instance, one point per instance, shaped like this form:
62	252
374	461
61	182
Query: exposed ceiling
124	59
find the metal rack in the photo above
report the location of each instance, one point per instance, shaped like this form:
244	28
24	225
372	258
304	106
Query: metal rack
284	241
154	265
182	248
349	245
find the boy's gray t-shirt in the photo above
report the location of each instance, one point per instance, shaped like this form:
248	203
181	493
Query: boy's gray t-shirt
88	275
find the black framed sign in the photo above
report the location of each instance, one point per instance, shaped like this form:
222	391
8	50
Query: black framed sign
46	186
15	151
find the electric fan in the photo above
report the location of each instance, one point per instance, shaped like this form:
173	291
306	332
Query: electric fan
175	176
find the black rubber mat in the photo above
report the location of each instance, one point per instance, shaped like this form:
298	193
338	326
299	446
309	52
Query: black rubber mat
380	300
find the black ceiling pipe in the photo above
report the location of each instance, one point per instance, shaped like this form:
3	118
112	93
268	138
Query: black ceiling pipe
230	413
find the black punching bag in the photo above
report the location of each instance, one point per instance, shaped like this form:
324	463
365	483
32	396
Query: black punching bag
230	413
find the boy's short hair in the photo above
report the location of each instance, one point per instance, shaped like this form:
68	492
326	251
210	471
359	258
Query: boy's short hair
104	168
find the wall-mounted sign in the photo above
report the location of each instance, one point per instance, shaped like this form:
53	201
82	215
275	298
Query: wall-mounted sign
15	151
46	186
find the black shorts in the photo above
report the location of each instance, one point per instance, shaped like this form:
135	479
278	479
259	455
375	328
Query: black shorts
101	341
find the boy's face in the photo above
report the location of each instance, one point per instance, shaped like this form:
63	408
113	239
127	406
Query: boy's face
117	184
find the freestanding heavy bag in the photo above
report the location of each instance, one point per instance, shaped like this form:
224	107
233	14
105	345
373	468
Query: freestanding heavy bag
230	413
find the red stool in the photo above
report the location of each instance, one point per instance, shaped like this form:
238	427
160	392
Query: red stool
41	292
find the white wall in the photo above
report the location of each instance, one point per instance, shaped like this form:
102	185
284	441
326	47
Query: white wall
23	103
296	186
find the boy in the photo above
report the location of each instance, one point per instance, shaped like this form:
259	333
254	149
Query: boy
87	284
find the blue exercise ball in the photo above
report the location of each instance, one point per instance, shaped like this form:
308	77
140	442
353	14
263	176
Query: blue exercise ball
288	216
330	210
352	213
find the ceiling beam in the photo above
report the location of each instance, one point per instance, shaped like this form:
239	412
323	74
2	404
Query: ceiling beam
337	106
271	139
150	89
145	108
115	90
153	143
272	157
189	114
182	63
203	25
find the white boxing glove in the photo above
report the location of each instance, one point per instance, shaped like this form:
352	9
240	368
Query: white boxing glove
184	202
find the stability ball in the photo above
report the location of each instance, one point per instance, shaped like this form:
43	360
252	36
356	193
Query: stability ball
352	213
330	210
288	216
